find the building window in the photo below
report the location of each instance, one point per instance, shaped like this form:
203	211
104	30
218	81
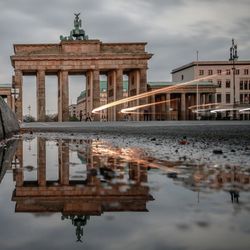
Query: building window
241	85
245	85
219	83
241	98
237	72
245	71
219	98
246	99
210	80
228	98
201	72
182	77
219	71
210	72
228	72
88	92
227	83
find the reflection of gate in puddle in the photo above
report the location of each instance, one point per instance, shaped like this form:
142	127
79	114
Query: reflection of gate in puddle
107	188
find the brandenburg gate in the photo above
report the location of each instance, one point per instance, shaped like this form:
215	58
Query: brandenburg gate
76	54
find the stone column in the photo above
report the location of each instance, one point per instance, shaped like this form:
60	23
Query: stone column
93	92
63	96
118	92
19	175
9	101
40	88
183	106
63	160
168	106
89	94
143	89
111	78
96	92
134	89
152	108
41	162
18	84
198	100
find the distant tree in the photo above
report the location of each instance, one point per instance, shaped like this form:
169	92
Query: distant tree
73	118
29	118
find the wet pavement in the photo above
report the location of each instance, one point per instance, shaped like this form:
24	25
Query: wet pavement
102	191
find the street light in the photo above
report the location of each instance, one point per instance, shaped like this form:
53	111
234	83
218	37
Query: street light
233	58
197	88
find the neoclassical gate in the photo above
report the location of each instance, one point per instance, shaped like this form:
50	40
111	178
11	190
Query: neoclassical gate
87	57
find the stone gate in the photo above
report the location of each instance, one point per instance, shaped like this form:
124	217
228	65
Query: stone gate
88	57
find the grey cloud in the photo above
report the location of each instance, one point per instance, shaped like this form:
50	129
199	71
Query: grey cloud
29	21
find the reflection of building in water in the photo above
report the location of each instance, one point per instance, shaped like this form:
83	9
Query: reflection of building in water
231	179
79	221
105	189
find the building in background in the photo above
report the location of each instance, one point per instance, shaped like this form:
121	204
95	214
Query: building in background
167	105
179	102
221	73
6	94
81	106
72	110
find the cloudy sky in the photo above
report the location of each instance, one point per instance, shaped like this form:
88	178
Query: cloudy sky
174	30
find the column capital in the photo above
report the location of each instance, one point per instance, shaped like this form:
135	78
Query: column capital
18	71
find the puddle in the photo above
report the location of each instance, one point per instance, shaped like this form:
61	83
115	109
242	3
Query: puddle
60	192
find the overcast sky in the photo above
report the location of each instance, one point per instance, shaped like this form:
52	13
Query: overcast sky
173	29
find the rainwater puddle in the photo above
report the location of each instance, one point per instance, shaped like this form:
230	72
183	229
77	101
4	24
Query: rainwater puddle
74	192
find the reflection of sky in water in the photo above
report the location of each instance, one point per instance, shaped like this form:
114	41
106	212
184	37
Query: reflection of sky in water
179	217
77	165
30	159
51	160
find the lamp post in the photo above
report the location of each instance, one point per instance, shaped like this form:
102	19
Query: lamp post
233	58
197	88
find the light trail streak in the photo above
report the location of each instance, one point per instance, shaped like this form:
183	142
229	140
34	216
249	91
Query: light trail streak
153	92
222	110
128	110
147	94
245	109
134	155
203	105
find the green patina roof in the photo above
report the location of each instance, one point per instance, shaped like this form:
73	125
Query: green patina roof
165	84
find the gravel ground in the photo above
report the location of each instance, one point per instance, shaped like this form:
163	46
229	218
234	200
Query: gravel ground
218	143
